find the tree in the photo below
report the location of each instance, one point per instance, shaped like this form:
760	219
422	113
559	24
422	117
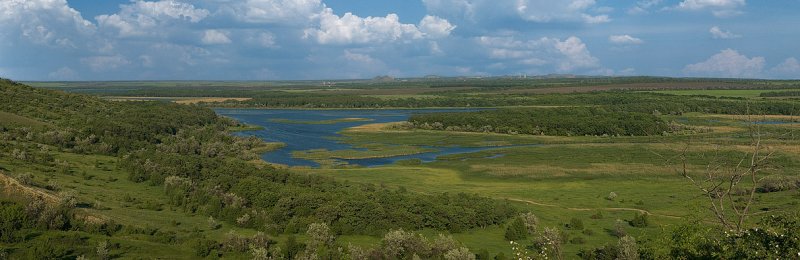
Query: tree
319	235
730	186
627	249
531	222
551	243
640	220
516	230
461	253
102	250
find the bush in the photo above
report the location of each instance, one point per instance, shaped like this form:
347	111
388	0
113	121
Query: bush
516	230
611	196
204	246
575	224
577	240
776	184
640	220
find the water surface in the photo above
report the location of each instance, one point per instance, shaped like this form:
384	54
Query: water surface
301	137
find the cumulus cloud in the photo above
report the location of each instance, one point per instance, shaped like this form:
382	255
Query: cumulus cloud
576	55
624	39
212	37
728	63
702	4
718	33
790	68
263	39
479	12
278	11
142	18
720	8
43	22
568	55
643	6
435	27
596	19
352	29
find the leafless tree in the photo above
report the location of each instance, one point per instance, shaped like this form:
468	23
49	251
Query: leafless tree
730	186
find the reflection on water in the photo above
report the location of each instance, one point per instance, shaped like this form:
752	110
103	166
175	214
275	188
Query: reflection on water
300	137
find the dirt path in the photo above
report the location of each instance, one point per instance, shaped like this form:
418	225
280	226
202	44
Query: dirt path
641	211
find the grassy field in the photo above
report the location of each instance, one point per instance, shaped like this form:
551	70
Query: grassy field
599	180
567	177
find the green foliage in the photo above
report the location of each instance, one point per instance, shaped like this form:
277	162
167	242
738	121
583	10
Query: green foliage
607	252
545	121
12	219
640	220
293	247
575	223
775	237
516	230
780	94
203	246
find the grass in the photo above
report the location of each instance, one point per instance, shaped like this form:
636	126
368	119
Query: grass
573	176
96	181
369	151
245	127
13	119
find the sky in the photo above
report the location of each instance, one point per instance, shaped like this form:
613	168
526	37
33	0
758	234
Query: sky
48	40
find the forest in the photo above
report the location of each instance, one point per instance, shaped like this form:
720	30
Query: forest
545	121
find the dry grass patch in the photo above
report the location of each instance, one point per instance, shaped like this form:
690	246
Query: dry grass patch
538	171
209	100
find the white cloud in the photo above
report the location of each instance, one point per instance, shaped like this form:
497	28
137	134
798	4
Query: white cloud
264	39
358	57
643	6
568	55
624	39
728	63
43	22
790	68
538	11
105	63
212	37
352	29
702	4
595	19
435	27
576	55
718	33
278	11
720	8
142	18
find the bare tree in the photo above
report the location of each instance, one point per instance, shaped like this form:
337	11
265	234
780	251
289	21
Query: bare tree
730	185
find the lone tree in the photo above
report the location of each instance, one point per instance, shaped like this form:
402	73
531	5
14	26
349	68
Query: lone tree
729	185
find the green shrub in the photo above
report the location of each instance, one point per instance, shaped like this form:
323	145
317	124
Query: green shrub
575	224
516	230
640	220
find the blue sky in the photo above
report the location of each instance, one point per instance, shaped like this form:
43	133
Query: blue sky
343	39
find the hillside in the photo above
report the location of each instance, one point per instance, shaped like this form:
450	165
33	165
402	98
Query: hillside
94	178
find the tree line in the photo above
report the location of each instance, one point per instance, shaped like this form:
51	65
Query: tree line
545	121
